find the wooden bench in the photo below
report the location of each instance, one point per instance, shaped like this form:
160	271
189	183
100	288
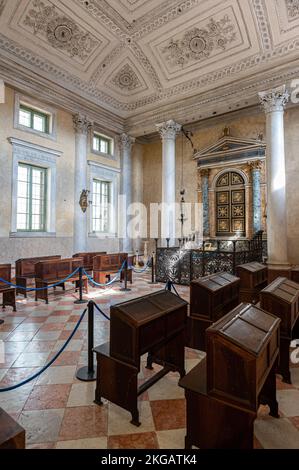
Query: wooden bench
25	270
53	271
8	293
12	435
105	265
88	258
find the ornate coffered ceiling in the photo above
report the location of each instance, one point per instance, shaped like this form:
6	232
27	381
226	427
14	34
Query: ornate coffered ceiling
141	61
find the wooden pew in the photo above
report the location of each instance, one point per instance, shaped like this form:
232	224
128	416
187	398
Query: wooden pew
9	293
51	272
87	258
211	298
25	270
281	298
253	278
154	323
223	392
105	265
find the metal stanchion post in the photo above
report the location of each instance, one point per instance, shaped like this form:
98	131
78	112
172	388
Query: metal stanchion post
153	281
125	288
88	373
80	300
169	284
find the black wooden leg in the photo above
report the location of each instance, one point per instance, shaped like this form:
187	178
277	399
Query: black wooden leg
188	444
135	417
284	362
149	362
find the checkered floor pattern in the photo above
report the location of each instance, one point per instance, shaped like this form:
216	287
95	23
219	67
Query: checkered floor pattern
57	410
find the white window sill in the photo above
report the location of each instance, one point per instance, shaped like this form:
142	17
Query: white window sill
50	136
102	235
104	155
32	234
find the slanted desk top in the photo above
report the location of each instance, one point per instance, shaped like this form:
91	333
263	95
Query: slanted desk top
242	348
281	298
139	325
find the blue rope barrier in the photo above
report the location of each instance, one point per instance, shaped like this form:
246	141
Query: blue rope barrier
101	311
141	270
37	374
34	289
107	283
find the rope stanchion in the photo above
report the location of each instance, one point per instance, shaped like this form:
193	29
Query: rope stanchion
125	288
88	373
101	311
107	283
34	289
80	300
153	281
37	374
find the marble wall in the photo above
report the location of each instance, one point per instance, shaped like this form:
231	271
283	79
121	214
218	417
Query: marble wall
242	124
12	248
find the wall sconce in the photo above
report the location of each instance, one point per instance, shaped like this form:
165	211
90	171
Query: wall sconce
83	202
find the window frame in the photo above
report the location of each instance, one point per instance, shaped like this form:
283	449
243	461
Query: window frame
108	139
43	225
35	112
44	157
110	174
38	108
109	186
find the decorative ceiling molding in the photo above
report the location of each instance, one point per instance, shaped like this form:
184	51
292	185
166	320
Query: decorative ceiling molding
60	31
180	51
293	8
200	43
126	79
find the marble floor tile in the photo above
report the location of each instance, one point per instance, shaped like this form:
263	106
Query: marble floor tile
40	346
145	440
169	414
27	359
276	433
288	401
2	373
91	443
166	389
74	345
171	439
57	375
84	422
43	397
42	426
67	358
119	420
57	319
14	400
82	394
47	335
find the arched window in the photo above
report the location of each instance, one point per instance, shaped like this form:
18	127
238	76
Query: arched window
230	204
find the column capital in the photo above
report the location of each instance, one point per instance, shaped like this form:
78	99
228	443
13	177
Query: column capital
81	124
204	172
255	165
168	129
274	100
125	141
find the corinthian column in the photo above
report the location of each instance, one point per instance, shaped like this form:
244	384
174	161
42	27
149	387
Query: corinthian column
81	126
168	131
125	145
255	167
204	173
274	102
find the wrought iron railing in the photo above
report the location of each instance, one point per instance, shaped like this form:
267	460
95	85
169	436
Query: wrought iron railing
182	265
